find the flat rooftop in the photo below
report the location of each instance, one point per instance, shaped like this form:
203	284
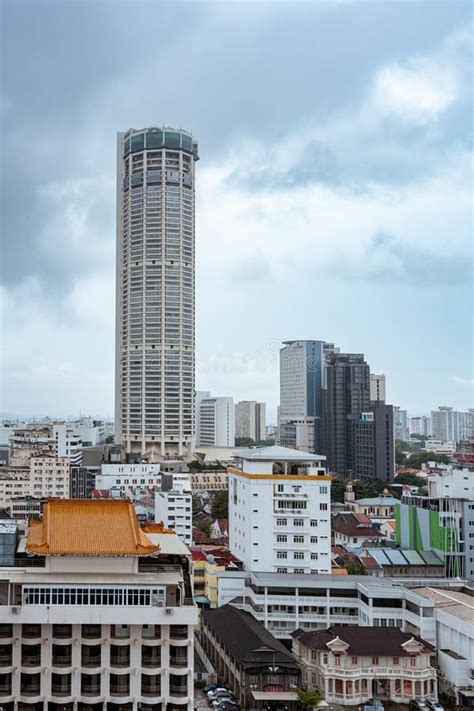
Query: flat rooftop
456	603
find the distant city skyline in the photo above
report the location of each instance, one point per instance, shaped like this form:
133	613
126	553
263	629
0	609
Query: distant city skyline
342	213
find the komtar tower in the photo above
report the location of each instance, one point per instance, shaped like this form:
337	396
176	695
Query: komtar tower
155	292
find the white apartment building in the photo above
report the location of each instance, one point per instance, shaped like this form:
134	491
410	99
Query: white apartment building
400	424
451	483
68	443
439	446
92	432
98	614
155	285
284	603
279	511
174	508
377	388
128	476
420	425
215	420
448	425
7	428
250	420
45	476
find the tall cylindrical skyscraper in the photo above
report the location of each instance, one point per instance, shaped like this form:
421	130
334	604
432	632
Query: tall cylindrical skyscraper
155	361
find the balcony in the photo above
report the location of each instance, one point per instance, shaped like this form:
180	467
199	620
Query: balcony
62	631
151	657
151	632
119	656
151	686
120	632
91	656
62	656
61	685
178	632
31	655
178	660
31	631
30	685
119	685
90	685
91	631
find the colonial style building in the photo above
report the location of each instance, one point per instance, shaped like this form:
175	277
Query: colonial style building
96	614
258	669
350	665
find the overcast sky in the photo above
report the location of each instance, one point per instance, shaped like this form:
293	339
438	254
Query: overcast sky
333	190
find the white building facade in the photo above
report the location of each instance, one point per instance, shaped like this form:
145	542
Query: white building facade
43	477
99	622
377	388
279	511
215	421
155	331
174	508
128	476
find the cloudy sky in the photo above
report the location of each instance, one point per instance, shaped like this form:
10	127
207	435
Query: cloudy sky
333	196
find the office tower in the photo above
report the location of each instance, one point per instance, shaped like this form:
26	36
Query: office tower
301	376
346	394
374	455
377	388
215	420
400	424
279	511
89	618
154	387
420	425
250	420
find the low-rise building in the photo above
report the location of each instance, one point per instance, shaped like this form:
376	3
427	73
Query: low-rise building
207	562
354	664
209	480
40	477
258	669
126	476
352	534
97	614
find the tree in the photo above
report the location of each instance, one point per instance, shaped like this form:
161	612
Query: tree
196	465
244	441
400	455
338	489
368	488
356	569
309	699
204	526
419	458
220	505
410	479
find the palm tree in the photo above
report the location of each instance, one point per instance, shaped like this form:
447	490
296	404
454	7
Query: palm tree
309	699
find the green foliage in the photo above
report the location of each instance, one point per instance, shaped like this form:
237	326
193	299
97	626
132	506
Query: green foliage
418	458
356	569
204	526
309	699
421	437
196	465
400	455
197	504
368	488
410	479
220	505
338	488
109	439
249	442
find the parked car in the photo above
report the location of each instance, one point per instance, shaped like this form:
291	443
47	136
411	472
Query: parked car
211	694
415	705
221	695
434	705
211	687
374	705
226	705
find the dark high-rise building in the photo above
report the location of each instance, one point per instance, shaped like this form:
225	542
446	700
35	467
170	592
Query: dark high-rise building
374	443
345	396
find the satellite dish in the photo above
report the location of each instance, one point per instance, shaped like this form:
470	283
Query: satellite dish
210	559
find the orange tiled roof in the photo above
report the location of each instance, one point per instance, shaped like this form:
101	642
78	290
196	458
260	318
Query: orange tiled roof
89	527
157	527
339	571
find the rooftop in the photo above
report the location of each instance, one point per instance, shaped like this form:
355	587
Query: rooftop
245	637
456	603
378	501
276	453
89	527
362	641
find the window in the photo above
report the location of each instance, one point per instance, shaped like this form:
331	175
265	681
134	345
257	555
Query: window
375	661
282	570
298	555
413	661
323	507
323	489
314	539
281	521
282	555
313	522
282	538
298	522
337	661
354	660
314	556
396	660
280	488
298	539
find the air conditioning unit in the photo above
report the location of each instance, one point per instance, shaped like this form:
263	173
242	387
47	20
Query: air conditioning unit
169	610
160	603
16	610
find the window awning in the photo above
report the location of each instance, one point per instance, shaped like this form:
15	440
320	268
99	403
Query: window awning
467	692
274	695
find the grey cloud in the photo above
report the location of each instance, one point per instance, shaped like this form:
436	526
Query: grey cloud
389	260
